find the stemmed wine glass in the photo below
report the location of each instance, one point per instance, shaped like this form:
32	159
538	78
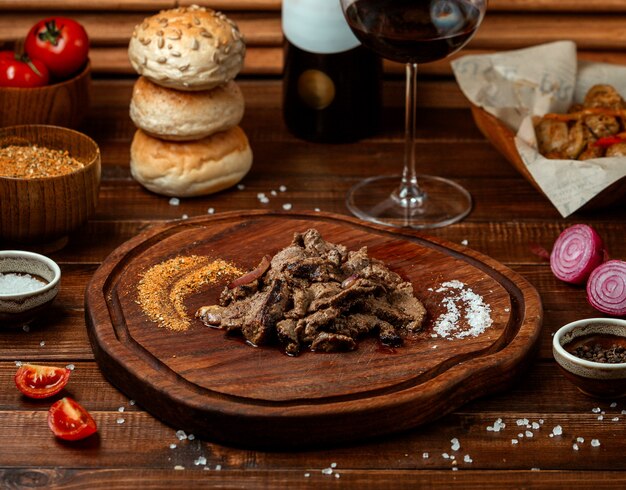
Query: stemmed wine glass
412	32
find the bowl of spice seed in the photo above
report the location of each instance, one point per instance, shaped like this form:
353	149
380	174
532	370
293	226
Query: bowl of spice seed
592	355
29	282
49	183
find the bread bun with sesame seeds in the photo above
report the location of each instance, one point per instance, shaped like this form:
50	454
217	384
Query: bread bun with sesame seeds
187	48
175	115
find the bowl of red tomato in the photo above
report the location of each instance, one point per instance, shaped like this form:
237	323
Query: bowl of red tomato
46	78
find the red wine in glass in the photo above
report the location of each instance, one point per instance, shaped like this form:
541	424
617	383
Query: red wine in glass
412	32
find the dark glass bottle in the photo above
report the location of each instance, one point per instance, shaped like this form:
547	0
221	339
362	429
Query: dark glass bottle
331	84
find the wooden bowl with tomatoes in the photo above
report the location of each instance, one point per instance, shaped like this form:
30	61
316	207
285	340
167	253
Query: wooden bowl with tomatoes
46	79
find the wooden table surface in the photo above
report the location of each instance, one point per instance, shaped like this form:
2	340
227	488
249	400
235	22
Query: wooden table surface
133	449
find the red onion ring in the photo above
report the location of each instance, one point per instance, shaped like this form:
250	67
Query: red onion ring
576	253
606	288
254	274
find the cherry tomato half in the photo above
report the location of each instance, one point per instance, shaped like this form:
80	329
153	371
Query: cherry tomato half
61	43
20	71
37	381
68	420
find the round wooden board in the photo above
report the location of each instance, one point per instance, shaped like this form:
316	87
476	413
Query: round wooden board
220	388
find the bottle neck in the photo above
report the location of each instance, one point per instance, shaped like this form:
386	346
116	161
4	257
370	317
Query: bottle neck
317	26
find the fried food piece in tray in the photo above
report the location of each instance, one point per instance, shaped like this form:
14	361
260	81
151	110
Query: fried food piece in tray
587	130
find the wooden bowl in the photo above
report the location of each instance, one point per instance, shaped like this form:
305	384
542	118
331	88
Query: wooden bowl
60	104
503	139
43	211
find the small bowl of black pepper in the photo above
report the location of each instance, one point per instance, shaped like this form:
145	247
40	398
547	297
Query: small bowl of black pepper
592	355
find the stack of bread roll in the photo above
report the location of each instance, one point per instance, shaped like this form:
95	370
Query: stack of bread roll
185	103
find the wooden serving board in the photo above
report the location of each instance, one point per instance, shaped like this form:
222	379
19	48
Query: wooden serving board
217	387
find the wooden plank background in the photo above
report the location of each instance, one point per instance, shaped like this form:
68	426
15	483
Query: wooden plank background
598	28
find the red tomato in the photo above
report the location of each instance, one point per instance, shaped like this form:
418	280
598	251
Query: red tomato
41	381
61	43
68	420
20	71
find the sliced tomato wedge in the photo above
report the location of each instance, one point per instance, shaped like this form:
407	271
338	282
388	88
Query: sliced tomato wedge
37	381
68	420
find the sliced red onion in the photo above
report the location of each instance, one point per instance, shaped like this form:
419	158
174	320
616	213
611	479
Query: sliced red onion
577	251
606	288
254	274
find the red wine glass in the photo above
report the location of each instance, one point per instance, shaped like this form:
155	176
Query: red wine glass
412	32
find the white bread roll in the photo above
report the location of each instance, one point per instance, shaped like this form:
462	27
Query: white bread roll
187	48
191	168
174	115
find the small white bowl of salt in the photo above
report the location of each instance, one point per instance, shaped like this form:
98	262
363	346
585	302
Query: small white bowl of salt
29	282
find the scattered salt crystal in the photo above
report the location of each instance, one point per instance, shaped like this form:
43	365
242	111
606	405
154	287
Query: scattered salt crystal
445	455
287	206
615	419
575	447
42	343
623	412
179	467
200	461
333	465
18	363
600	417
535	425
218	467
282	188
468	459
307	475
174	201
464	242
497	426
191	437
131	402
273	193
613	404
180	434
520	435
317	210
596	410
434	346
327	471
424	455
260	195
541	421
455	444
595	442
514	441
210	211
185	216
558	430
580	439
466	305
120	420
521	422
241	187
71	367
454	468
26	328
264	200
535	469
337	475
173	446
529	434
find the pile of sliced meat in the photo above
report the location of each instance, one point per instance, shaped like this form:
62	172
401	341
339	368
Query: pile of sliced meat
317	295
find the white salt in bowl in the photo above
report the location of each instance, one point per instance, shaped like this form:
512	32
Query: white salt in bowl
29	282
593	378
